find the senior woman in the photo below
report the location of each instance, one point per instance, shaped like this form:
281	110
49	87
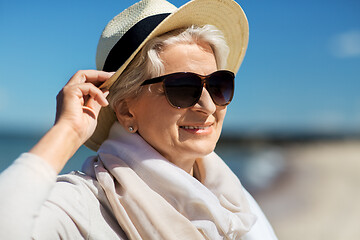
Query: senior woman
155	175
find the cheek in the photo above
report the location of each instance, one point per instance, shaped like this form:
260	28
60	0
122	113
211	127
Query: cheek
220	114
158	116
157	123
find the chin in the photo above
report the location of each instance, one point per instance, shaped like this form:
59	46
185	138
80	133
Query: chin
202	148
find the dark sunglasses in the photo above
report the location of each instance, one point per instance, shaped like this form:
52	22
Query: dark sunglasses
183	89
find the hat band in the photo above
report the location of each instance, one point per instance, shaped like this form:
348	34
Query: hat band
130	41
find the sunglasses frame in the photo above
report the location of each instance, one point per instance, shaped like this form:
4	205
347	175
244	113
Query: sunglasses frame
204	83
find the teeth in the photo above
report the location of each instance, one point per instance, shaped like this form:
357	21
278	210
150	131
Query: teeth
190	127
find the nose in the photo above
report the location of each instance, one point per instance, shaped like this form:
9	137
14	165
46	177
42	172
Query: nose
205	103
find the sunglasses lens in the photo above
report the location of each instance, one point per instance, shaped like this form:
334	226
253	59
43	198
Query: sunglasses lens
221	87
183	90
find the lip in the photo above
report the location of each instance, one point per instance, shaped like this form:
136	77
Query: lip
198	129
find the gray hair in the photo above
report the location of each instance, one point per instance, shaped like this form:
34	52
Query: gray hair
148	64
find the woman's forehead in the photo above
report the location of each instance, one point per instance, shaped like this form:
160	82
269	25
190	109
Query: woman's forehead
189	58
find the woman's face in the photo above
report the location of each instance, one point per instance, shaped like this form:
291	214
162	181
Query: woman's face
180	135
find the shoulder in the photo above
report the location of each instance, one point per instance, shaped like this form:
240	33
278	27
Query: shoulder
77	203
76	187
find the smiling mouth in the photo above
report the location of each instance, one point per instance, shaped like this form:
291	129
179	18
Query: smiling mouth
202	129
194	127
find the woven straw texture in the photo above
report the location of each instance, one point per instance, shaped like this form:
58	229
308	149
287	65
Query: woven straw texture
120	24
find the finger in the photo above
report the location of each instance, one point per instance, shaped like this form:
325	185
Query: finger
94	93
91	76
83	92
92	102
91	112
92	108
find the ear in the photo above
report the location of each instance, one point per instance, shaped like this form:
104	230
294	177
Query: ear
125	115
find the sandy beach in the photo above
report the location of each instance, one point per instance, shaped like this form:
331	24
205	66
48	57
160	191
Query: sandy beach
318	196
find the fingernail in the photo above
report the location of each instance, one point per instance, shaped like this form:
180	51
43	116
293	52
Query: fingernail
105	95
111	73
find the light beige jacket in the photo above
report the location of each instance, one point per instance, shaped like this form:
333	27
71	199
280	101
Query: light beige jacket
35	203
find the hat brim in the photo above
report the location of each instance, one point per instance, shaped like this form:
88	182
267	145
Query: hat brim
226	15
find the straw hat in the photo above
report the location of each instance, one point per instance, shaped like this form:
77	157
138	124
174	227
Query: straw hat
128	32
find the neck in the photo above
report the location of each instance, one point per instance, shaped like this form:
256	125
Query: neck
185	164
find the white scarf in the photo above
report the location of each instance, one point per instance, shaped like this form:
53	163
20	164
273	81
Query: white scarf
152	198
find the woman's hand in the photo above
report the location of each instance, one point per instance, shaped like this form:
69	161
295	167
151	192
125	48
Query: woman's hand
78	106
79	102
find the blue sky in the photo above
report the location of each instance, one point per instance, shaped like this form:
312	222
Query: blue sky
301	71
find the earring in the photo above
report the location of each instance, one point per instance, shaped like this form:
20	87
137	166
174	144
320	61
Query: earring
131	129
